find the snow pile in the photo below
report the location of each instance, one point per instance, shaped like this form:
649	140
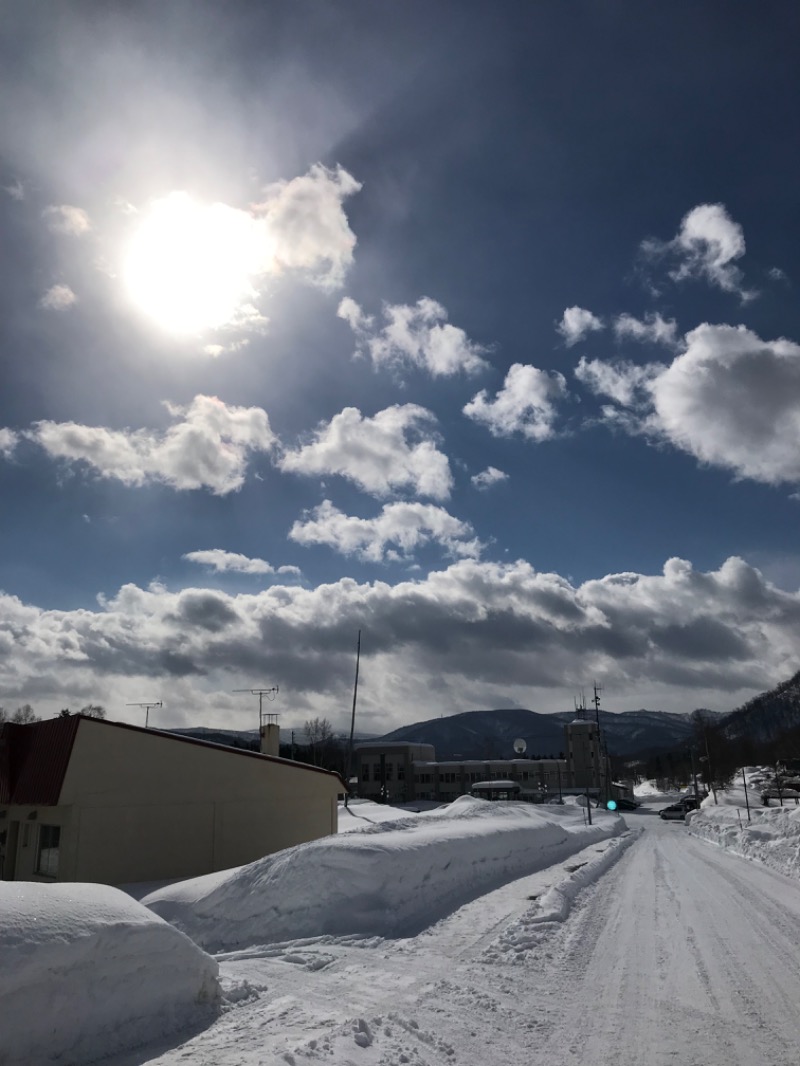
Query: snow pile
86	971
646	789
391	879
772	837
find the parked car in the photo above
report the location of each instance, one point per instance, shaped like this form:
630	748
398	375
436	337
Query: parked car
626	804
675	811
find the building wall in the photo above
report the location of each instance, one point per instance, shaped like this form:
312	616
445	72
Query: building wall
415	774
139	806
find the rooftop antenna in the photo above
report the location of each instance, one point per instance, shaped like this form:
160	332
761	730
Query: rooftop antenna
147	706
270	693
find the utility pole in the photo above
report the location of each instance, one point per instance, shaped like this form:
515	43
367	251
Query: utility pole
147	706
708	763
602	752
348	769
746	799
694	777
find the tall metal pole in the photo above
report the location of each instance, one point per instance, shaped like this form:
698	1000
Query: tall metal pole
708	761
746	799
694	777
352	720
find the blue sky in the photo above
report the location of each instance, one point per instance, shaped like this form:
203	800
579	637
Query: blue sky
472	326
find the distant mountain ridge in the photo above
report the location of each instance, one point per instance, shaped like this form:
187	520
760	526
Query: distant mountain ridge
491	734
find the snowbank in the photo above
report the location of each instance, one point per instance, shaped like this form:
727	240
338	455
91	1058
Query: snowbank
86	971
771	838
391	879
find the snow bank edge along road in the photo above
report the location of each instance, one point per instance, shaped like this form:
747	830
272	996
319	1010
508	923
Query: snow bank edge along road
771	838
86	971
392	879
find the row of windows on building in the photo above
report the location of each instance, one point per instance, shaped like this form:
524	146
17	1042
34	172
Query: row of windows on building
449	777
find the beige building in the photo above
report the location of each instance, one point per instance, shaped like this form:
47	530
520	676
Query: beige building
82	799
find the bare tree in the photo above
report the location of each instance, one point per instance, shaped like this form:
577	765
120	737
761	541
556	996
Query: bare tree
320	734
25	715
93	710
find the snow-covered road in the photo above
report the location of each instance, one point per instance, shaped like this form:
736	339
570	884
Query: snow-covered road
679	954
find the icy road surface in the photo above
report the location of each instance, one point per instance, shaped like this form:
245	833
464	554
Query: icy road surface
679	954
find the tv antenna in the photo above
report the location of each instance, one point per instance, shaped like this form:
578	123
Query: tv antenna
147	706
520	746
270	693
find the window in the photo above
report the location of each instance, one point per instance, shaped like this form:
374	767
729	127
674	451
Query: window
49	843
365	773
401	773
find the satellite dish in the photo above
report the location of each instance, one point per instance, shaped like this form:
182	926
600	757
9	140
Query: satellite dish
520	746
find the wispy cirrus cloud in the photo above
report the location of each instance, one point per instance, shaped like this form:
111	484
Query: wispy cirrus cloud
395	534
526	404
395	450
417	335
207	447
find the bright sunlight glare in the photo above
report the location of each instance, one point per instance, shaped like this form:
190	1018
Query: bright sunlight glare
189	266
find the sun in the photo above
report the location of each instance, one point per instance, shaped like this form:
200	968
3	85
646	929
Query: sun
190	266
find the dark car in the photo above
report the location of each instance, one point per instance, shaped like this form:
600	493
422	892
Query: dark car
675	811
626	804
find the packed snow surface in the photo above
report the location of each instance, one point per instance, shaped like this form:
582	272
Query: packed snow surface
390	879
86	971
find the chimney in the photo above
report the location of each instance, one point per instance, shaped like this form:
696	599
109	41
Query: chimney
270	738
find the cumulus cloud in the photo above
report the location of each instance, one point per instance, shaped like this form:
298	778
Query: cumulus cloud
66	219
207	446
448	640
307	226
576	323
729	399
395	450
58	298
706	246
622	381
525	404
8	442
417	335
232	562
653	329
488	477
394	534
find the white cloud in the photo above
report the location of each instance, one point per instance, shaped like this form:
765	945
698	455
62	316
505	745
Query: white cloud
488	477
58	298
307	225
576	323
524	405
16	190
706	246
621	380
417	335
223	562
67	219
384	454
396	533
456	637
207	446
729	399
653	329
8	442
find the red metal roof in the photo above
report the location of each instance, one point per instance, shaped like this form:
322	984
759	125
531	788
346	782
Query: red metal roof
34	759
